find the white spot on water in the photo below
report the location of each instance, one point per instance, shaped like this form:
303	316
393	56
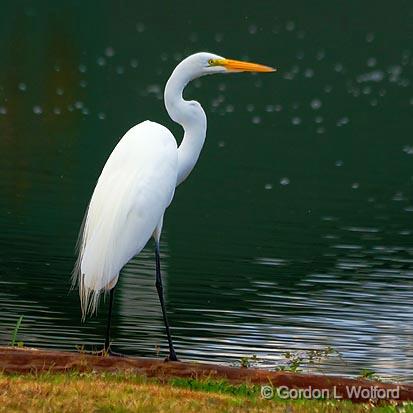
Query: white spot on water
394	73
155	89
177	57
22	87
284	181
295	69
101	116
339	163
408	149
296	120
268	186
398	196
366	90
109	51
404	82
256	120
290	26
375	76
371	62
37	110
355	185
370	37
140	27
82	68
134	63
250	108
316	104
328	88
57	111
309	73
101	61
343	121
3	110
320	55
252	29
222	87
219	37
276	262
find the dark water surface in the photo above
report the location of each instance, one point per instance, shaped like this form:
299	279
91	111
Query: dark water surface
295	230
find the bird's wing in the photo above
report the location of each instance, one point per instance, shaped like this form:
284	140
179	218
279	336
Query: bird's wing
134	189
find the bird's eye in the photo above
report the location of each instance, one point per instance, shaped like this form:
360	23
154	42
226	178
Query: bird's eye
211	62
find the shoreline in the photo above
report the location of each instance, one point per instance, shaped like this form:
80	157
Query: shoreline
29	360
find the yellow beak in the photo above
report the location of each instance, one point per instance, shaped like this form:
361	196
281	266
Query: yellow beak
239	66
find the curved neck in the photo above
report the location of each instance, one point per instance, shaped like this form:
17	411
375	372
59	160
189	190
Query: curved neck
190	115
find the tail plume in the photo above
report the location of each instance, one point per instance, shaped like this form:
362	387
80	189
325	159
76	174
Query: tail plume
89	298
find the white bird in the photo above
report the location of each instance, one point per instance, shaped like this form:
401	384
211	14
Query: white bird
137	184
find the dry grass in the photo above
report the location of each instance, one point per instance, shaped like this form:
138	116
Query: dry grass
114	393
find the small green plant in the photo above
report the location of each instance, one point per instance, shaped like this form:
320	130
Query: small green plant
246	361
294	360
368	374
14	341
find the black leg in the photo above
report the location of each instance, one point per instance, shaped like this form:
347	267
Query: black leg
159	288
107	350
107	339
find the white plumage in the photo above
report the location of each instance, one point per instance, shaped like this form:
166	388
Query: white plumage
134	189
137	185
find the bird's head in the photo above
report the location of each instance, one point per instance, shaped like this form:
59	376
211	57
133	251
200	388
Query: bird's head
208	63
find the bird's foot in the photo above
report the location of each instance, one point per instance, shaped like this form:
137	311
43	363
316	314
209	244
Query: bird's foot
109	352
171	356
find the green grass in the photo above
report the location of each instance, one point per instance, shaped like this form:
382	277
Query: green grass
127	392
13	341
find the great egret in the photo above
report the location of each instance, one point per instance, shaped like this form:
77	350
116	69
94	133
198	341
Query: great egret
137	184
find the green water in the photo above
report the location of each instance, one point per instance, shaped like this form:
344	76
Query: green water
295	230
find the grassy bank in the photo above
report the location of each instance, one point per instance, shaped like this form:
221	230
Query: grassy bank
88	392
